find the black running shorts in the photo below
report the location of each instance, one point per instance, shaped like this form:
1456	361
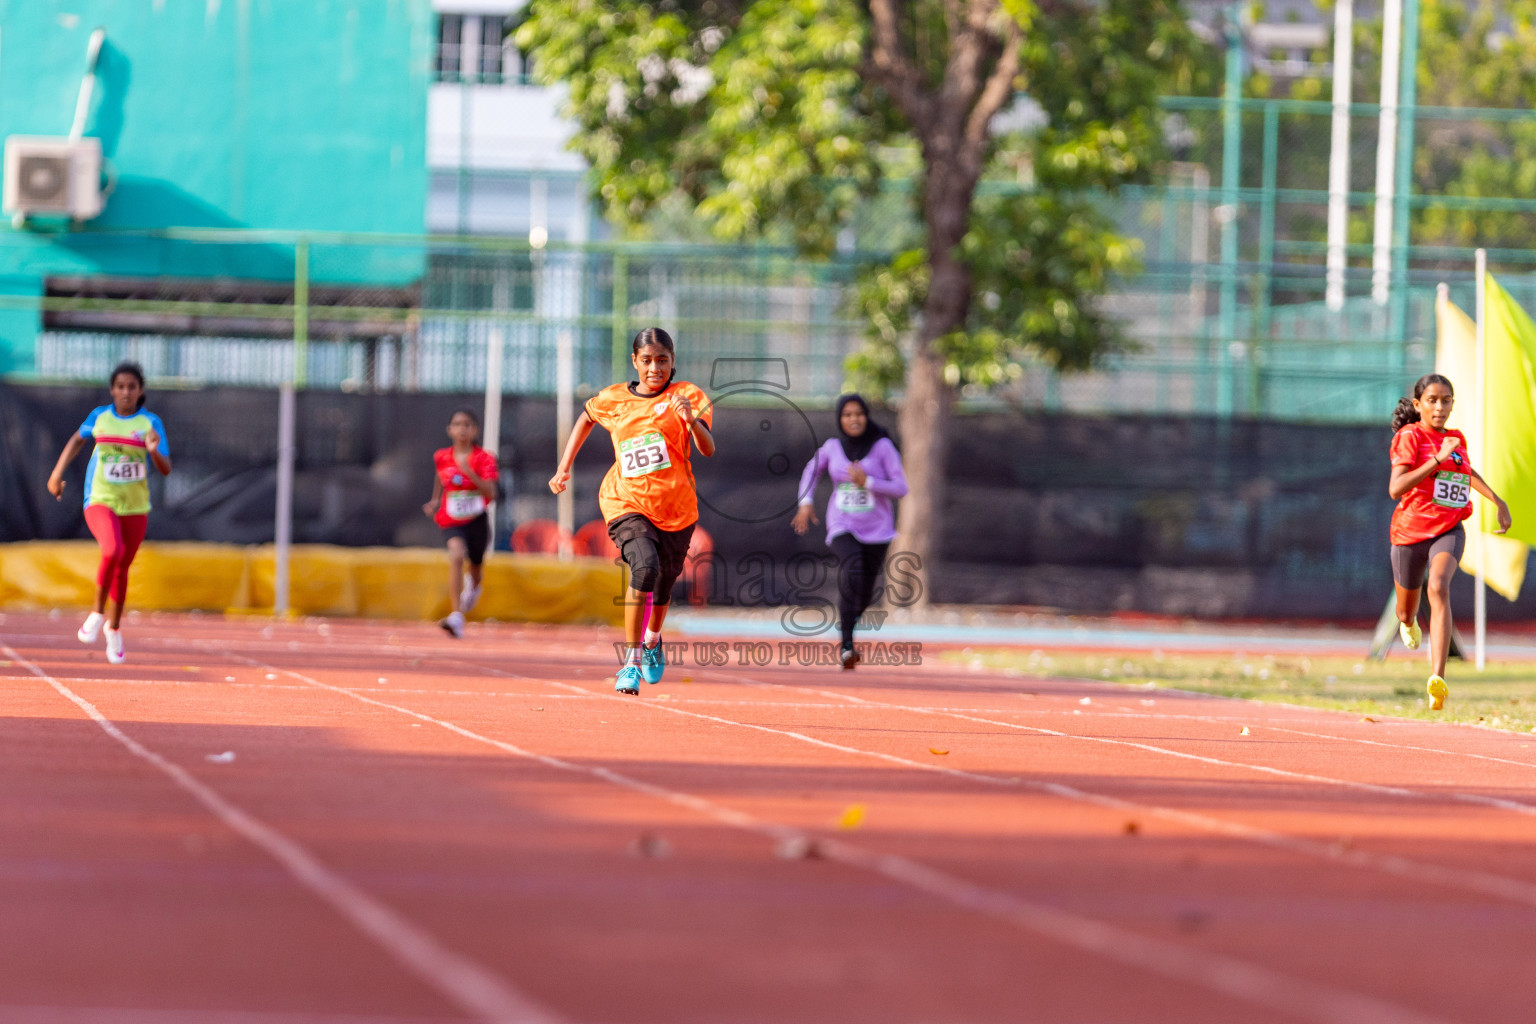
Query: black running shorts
671	548
1410	562
476	534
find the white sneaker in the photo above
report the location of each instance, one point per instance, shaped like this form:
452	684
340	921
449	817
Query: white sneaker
91	628
115	652
453	625
468	597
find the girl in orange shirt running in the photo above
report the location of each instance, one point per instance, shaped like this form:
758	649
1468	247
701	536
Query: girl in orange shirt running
648	498
1432	480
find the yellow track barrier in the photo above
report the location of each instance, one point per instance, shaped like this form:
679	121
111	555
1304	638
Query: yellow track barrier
379	583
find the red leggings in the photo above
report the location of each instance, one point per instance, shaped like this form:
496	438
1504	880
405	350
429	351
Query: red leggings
119	538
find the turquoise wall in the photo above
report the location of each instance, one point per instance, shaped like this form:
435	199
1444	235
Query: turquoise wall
301	115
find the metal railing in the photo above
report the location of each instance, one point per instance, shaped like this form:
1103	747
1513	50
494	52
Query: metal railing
1227	330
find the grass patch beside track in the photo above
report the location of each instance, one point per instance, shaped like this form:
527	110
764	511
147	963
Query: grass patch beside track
1503	696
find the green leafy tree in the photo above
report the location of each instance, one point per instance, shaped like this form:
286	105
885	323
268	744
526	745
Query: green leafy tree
784	115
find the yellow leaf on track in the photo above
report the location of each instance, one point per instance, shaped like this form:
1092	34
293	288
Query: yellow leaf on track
936	750
853	817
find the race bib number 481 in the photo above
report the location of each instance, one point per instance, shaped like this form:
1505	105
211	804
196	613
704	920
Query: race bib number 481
122	469
1453	490
639	456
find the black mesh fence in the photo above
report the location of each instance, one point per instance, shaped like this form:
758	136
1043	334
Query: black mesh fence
1189	516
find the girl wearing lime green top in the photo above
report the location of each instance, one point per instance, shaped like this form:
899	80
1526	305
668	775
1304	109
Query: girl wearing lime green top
128	438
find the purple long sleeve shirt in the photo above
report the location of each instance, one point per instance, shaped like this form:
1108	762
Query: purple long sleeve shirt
868	512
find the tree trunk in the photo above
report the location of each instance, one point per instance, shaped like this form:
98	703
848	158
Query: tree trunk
951	123
923	421
924	416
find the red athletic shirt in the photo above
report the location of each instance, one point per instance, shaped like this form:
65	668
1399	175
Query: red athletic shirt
462	501
1441	500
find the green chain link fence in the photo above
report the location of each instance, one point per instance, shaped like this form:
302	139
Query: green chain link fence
1228	313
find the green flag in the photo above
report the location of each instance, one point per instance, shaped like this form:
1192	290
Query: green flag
1508	458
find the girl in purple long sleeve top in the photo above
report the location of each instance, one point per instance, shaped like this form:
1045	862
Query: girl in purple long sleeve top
867	477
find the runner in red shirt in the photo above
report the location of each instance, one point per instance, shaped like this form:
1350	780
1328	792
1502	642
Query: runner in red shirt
462	489
1432	480
648	497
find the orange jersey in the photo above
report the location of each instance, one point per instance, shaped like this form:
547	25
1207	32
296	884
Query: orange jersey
1441	500
652	473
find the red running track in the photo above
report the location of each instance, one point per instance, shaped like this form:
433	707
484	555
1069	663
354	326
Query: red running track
416	829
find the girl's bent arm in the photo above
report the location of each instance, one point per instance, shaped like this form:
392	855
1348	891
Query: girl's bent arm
579	432
56	478
486	487
1481	487
703	438
893	484
810	474
1405	479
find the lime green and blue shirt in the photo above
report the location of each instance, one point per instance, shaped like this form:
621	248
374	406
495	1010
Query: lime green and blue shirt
118	476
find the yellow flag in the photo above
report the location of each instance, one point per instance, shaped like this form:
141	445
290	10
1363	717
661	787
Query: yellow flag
1503	557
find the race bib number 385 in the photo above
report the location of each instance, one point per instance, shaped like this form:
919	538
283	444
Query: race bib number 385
1453	490
644	454
122	469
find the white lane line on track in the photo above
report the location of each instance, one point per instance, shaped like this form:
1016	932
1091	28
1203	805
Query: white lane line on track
1499	803
1124	691
1216	972
464	983
1118	690
124	1015
1418	872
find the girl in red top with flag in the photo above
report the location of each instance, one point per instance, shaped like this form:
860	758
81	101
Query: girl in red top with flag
1432	480
462	489
648	498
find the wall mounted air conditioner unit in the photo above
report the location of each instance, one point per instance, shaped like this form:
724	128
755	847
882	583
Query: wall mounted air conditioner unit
52	177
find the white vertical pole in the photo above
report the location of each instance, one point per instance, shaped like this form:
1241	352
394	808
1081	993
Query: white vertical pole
1480	599
284	527
1199	241
565	417
495	343
1386	150
87	84
1338	154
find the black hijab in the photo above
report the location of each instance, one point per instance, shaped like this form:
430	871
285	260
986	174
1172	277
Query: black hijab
856	448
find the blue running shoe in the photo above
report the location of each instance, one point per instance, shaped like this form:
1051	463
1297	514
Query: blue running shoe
628	681
652	663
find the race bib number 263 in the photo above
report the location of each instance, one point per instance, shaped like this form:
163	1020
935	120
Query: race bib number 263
647	453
